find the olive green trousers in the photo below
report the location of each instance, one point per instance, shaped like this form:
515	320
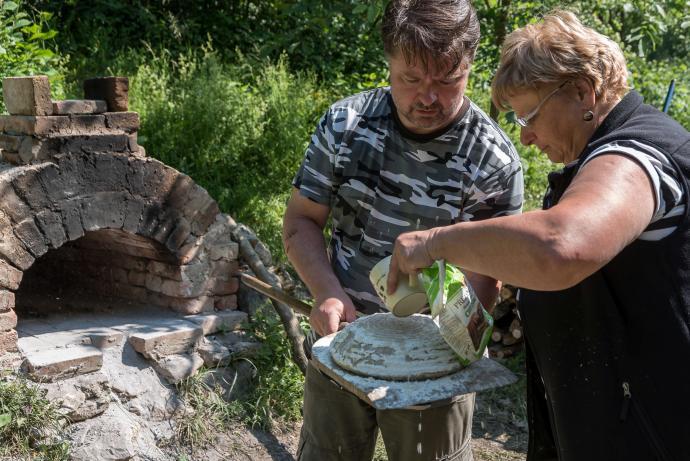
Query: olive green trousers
339	426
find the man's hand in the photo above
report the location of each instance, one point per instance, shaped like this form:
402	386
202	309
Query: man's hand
332	314
410	254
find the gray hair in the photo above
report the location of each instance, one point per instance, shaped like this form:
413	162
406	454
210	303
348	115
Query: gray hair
432	31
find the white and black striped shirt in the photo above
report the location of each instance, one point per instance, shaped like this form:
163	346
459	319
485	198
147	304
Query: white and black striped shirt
668	191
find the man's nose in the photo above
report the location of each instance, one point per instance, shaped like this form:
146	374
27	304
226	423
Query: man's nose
526	136
427	94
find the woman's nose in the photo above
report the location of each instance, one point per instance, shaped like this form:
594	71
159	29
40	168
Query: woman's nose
526	136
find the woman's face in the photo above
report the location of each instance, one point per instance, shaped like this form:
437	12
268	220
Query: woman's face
557	127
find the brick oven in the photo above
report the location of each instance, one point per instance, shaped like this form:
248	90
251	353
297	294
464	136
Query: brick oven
87	218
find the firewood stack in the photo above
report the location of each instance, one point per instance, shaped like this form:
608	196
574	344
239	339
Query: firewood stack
507	338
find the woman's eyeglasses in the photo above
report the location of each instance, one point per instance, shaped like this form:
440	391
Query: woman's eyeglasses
524	121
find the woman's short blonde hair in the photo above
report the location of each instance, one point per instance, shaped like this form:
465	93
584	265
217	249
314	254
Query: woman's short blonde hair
557	49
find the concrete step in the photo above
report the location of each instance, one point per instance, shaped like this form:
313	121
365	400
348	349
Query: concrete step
218	321
60	363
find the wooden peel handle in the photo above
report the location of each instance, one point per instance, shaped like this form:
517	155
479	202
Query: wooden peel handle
274	293
279	295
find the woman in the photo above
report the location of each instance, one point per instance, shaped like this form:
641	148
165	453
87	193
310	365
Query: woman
605	266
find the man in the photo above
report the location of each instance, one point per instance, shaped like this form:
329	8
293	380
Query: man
415	155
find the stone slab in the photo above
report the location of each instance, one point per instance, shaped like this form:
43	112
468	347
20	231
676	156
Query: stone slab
382	394
33	125
221	321
51	365
79	106
165	339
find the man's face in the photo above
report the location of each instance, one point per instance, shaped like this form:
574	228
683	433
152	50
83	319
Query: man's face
427	98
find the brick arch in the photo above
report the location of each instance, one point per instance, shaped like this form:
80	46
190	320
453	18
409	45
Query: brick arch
115	197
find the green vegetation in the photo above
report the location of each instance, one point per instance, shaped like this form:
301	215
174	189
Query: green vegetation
279	386
30	426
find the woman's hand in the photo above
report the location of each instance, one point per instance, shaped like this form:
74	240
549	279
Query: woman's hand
410	254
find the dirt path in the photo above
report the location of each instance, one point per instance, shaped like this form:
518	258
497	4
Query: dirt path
499	435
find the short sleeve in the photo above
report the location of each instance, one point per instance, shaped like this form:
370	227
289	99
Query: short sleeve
315	178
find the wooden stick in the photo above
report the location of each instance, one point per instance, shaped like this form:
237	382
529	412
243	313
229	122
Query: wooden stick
274	293
279	295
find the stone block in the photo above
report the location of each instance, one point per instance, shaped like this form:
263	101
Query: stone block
204	218
158	179
12	205
122	121
70	211
161	340
103	210
224	268
28	233
223	286
10	277
214	353
6	300
133	211
228	302
14	252
90	144
184	305
28	187
59	363
33	149
11	157
51	226
168	271
10	142
87	124
27	95
177	289
219	321
132	142
227	251
137	278
106	339
114	90
176	368
8	341
33	125
8	320
178	235
80	398
154	283
79	106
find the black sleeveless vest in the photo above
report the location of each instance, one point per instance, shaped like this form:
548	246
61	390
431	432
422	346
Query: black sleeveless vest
608	360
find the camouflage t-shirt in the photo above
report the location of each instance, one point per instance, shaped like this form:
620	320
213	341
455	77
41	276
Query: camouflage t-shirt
380	180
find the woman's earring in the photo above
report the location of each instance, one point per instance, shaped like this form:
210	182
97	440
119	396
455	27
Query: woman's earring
588	116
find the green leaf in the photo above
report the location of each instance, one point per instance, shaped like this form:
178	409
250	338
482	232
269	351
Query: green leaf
5	419
9	6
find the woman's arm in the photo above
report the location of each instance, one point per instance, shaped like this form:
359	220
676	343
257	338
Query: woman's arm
607	206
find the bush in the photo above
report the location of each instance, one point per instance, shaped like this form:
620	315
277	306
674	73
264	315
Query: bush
25	46
239	130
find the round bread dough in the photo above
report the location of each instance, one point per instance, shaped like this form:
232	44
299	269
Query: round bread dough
394	348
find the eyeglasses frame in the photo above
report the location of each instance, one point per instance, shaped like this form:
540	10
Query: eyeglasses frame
524	121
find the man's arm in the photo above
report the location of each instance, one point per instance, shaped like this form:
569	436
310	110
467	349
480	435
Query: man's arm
608	205
305	247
